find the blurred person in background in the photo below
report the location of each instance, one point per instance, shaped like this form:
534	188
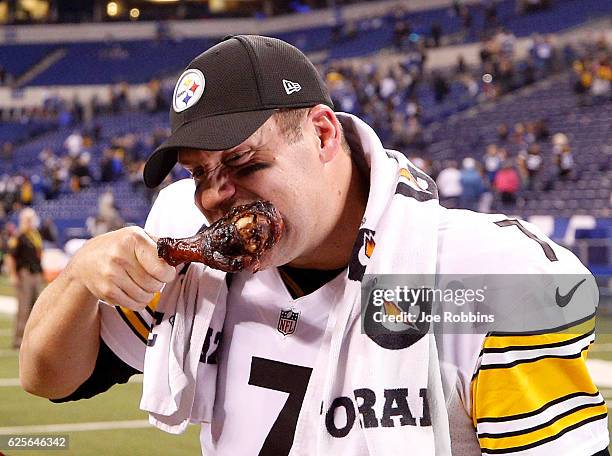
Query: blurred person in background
26	191
81	176
48	232
10	197
472	185
565	163
440	87
602	78
507	183
519	133
449	184
503	132
108	217
492	162
558	141
74	143
7	152
534	163
23	264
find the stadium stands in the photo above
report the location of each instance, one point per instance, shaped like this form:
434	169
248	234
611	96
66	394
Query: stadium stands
103	62
18	58
128	61
588	128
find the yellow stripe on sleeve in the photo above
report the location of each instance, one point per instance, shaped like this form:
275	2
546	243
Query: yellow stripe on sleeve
503	341
528	386
135	324
135	321
155	301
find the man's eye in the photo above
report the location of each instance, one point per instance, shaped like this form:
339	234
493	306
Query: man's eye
238	159
197	173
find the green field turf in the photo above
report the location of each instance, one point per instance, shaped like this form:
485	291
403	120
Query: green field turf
602	349
18	408
6	289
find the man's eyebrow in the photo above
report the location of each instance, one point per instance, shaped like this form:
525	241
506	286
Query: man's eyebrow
236	155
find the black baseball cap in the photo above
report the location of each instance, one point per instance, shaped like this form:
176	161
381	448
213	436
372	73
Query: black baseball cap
227	92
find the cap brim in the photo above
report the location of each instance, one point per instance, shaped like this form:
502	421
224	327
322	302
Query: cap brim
209	133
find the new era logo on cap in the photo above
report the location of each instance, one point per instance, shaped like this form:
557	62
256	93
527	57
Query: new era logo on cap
291	87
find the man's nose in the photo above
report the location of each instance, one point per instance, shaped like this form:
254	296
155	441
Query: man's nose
218	194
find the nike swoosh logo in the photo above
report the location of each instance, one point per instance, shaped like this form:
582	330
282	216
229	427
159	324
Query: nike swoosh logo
563	300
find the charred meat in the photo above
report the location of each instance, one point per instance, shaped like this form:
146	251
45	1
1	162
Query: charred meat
233	243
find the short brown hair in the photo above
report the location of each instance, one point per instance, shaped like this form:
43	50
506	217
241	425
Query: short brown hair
289	122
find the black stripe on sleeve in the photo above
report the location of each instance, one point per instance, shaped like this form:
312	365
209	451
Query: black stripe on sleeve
142	320
110	370
129	324
150	311
542	425
535	347
528	360
547	439
543	331
532	360
537	411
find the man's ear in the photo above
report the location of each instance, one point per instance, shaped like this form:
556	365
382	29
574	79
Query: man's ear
328	131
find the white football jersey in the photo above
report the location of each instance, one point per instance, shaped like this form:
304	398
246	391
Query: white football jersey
505	393
269	345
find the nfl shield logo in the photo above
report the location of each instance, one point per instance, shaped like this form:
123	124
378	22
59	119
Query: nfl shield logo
287	321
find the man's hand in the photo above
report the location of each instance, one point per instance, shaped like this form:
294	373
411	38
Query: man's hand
121	268
62	336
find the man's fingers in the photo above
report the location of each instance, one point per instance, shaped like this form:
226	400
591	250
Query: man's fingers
144	280
133	290
117	297
164	272
122	267
146	254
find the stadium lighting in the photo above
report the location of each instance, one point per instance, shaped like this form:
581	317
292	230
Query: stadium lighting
112	9
134	13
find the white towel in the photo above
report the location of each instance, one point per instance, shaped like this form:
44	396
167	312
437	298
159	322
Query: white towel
402	218
172	368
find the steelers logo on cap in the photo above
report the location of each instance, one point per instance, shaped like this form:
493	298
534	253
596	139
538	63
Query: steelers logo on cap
188	90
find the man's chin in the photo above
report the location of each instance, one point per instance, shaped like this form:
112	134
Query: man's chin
271	259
